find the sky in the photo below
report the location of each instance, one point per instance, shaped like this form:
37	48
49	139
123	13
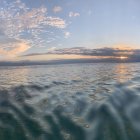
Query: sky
60	29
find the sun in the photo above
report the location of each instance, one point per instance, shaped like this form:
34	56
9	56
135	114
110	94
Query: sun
123	57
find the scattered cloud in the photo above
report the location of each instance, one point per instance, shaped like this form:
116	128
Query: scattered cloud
56	22
73	14
67	34
57	9
19	22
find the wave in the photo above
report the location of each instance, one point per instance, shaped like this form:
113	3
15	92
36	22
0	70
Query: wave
24	115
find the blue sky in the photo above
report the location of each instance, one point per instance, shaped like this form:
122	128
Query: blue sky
38	26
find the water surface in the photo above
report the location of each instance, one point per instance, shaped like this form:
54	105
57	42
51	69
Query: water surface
98	101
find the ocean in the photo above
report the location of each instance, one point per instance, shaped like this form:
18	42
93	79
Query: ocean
97	101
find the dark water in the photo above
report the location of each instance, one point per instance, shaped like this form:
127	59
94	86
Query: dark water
70	102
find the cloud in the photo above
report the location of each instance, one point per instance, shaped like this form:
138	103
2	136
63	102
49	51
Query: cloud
67	34
18	19
109	52
101	54
51	49
56	22
13	48
57	9
95	52
73	14
19	22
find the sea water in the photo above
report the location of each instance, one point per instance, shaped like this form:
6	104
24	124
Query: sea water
97	101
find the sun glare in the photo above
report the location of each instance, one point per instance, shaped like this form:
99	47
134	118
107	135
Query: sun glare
123	57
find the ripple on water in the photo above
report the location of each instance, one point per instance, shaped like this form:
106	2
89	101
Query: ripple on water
73	106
